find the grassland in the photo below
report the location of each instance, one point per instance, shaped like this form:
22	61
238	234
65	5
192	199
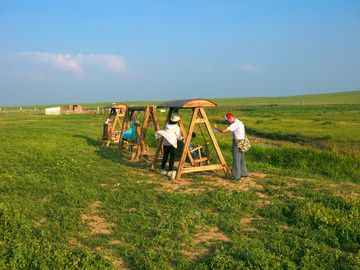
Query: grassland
66	202
351	97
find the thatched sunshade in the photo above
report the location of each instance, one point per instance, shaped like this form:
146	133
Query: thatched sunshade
187	103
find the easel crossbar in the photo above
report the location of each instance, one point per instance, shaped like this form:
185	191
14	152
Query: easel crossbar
202	168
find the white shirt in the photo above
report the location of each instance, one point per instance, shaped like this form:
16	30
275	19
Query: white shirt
238	129
171	134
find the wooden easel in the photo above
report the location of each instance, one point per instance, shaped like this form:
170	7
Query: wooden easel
150	117
198	116
114	136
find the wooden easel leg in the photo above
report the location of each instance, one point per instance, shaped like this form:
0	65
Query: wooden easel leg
214	141
159	147
141	143
125	124
186	144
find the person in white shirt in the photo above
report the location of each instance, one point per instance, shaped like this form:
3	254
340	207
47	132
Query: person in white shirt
171	134
237	127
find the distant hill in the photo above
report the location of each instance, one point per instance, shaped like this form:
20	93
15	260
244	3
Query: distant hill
352	97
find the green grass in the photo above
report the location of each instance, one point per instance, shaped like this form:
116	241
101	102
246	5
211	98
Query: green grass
350	97
56	182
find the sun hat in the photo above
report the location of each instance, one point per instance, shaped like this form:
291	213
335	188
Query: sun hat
137	122
109	121
228	116
175	117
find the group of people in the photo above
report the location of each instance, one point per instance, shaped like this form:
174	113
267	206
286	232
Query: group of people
172	133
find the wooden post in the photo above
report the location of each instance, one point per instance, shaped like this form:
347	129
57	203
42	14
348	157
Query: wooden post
117	120
186	144
141	143
125	124
214	141
161	139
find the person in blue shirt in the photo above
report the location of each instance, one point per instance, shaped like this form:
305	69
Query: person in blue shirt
130	134
193	136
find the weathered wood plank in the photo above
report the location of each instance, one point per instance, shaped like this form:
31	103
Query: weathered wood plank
202	168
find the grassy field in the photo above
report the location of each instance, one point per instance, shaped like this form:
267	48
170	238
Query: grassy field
66	202
352	97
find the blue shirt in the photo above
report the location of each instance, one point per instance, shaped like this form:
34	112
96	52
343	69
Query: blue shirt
193	154
130	133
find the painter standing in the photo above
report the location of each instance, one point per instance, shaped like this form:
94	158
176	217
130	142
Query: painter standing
238	129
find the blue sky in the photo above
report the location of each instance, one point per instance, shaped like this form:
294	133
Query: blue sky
55	52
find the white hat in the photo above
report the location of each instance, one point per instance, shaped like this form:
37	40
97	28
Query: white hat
175	117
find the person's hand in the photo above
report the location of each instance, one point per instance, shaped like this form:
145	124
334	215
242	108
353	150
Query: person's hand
215	126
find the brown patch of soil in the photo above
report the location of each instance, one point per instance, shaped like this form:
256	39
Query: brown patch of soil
117	262
115	242
183	185
247	223
350	196
97	224
259	175
212	234
41	221
262	204
208	235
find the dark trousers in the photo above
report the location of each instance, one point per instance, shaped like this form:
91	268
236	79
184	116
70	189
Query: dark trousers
168	149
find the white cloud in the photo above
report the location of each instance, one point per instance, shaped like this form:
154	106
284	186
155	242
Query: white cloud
250	68
75	64
113	63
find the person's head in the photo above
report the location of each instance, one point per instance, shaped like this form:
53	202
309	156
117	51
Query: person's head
137	123
193	135
174	118
229	118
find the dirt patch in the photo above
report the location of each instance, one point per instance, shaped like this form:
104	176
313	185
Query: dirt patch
117	262
211	234
348	196
97	224
205	237
41	221
262	204
184	185
246	222
115	242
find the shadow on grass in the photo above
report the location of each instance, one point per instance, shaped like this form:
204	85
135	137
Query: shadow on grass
119	157
295	138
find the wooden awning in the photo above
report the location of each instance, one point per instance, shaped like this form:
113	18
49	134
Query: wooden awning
187	103
136	108
116	106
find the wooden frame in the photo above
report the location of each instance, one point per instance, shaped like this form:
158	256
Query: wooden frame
117	110
150	117
198	116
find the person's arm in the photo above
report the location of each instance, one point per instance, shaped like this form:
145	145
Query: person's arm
178	134
221	130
